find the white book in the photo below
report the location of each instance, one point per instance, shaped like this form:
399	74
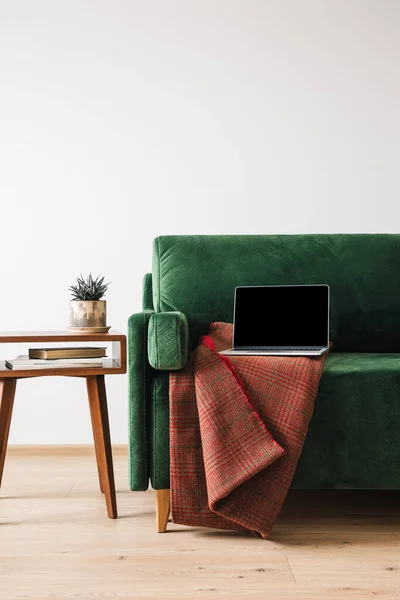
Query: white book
23	362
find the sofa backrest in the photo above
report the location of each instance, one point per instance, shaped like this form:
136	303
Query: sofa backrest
197	275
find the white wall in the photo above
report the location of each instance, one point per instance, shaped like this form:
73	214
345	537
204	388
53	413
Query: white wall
124	119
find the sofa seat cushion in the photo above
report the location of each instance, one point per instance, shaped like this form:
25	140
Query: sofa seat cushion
353	439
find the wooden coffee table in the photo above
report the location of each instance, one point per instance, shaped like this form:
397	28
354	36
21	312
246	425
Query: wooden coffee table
96	390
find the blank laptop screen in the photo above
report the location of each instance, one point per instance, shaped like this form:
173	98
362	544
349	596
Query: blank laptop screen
281	316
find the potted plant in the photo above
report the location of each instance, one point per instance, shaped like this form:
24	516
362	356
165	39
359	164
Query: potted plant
87	310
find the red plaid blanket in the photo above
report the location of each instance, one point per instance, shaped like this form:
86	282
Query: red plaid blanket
237	428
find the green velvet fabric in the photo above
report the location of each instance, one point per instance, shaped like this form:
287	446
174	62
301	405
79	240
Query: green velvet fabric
159	423
147	298
353	439
168	341
197	275
139	379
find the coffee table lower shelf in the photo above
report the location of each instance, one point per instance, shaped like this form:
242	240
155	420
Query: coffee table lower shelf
110	367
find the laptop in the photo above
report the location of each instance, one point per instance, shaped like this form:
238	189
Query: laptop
287	320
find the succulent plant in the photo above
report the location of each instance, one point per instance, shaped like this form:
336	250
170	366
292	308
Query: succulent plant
89	289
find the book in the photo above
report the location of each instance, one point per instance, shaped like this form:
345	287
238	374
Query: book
82	352
23	363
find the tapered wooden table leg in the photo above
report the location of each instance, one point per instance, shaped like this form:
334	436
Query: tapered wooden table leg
96	445
101	433
7	393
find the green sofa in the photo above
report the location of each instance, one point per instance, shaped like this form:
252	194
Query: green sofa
353	440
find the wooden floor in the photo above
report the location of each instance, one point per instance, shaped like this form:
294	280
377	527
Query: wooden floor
56	542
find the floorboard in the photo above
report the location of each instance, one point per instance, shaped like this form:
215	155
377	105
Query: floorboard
56	543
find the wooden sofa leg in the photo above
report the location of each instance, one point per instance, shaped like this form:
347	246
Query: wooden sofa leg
162	509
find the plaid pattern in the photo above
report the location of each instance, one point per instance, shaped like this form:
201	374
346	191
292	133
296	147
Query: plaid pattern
237	428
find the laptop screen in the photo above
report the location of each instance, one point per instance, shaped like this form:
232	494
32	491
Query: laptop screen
289	316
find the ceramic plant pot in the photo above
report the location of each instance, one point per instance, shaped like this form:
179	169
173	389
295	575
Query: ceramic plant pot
87	313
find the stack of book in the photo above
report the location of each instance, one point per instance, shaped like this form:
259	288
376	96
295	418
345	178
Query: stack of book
58	358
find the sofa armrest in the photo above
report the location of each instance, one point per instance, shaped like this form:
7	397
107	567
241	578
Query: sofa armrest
168	341
139	380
